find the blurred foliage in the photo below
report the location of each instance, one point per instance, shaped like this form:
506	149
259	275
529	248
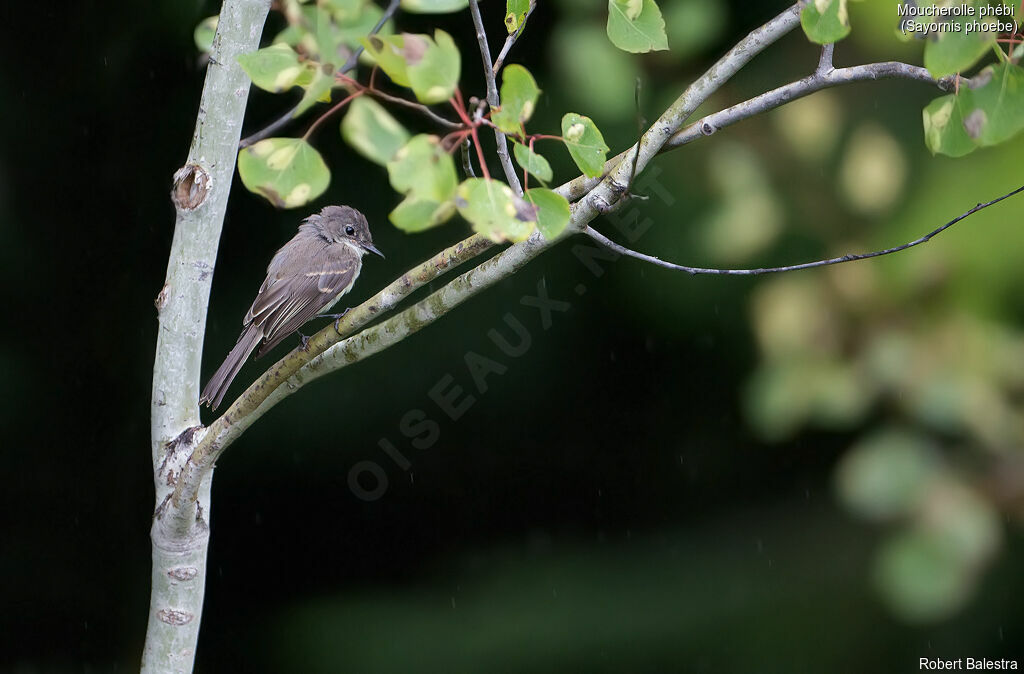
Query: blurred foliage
907	342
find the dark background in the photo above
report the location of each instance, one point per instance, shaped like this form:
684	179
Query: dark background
606	505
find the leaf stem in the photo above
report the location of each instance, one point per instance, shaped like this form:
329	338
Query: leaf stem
319	120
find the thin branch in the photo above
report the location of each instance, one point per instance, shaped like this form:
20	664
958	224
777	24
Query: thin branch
467	160
418	107
269	129
326	350
606	195
511	39
825	61
794	90
337	106
250	405
622	250
770	100
492	98
350	63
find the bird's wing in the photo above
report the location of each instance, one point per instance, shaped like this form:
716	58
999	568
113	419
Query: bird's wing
298	292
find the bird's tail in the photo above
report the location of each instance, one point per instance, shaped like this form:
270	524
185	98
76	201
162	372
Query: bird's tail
225	374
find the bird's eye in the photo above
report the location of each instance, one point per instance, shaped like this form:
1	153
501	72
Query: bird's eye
349	230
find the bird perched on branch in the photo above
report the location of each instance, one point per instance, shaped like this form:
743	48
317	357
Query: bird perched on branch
307	276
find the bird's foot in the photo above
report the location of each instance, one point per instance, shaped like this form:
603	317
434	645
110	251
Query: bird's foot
336	317
303	341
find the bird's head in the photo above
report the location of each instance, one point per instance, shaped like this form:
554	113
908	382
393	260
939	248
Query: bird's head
344	224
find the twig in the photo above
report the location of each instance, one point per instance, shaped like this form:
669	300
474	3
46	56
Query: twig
249	406
605	241
606	196
511	39
351	62
338	106
770	100
794	90
467	160
492	97
825	61
269	129
418	107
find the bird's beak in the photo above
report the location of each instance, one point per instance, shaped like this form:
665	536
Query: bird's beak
373	249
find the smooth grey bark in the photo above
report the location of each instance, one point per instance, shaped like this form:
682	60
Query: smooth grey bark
200	196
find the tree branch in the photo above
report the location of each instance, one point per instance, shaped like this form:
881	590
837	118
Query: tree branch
328	353
492	98
350	63
770	100
252	404
606	195
622	250
291	372
200	196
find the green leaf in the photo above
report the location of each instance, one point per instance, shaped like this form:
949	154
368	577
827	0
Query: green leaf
276	68
325	33
993	106
287	172
435	74
944	131
636	26
388	52
204	33
415	214
947	53
532	162
354	26
552	211
318	90
825	21
372	131
422	168
515	14
434	6
519	94
632	8
585	143
494	210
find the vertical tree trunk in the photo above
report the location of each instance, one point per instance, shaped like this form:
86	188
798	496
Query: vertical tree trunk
200	196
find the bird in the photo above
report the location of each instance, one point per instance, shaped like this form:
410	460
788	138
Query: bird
306	277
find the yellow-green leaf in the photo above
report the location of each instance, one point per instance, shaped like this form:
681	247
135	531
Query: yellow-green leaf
494	210
423	169
287	172
372	131
585	143
434	6
552	211
519	94
532	162
515	14
825	21
415	214
435	74
205	32
636	26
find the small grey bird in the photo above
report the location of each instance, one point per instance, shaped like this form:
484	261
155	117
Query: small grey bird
306	277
